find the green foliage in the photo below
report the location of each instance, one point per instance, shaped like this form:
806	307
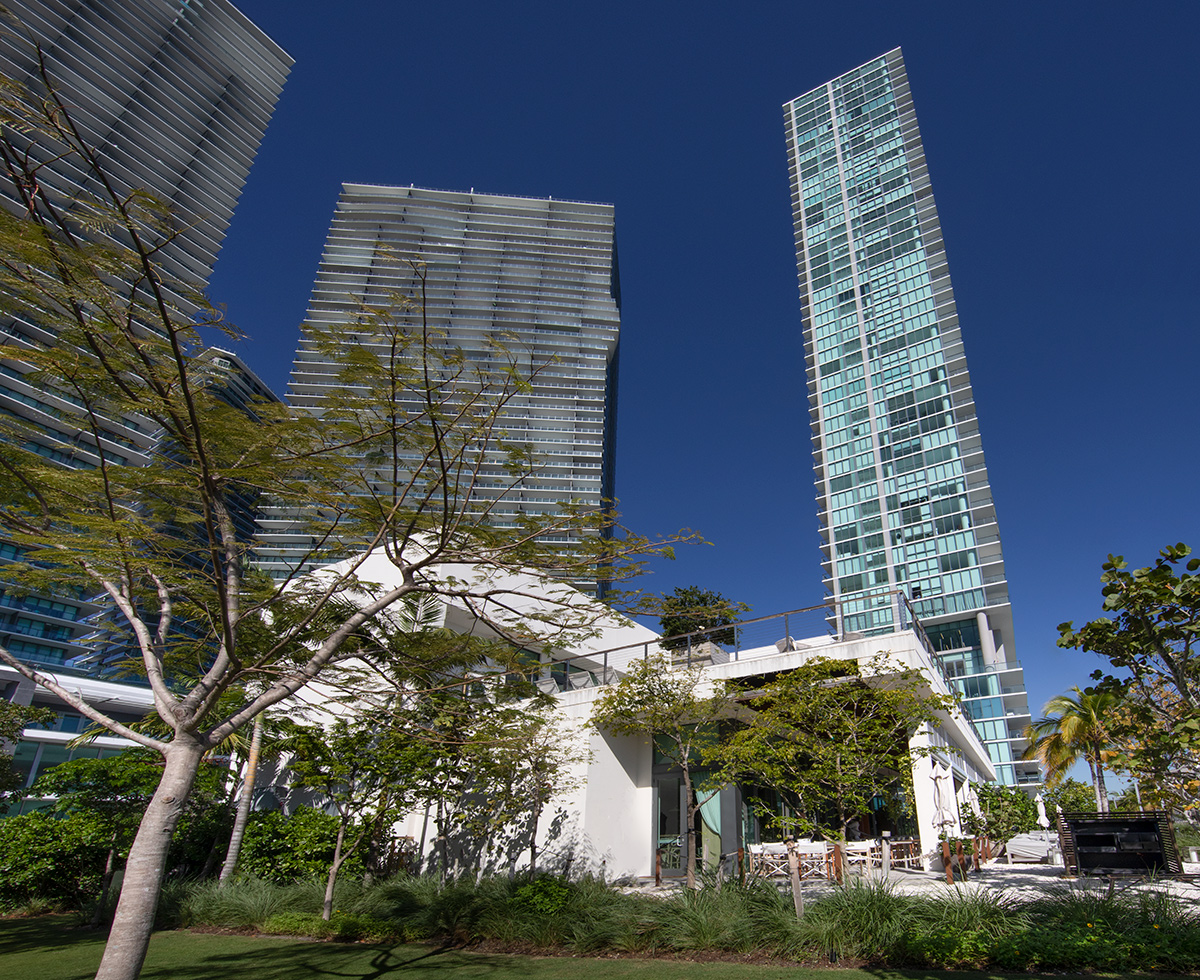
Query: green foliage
1071	930
14	718
1187	835
114	792
343	927
286	849
691	609
44	857
1071	795
544	894
679	709
392	466
1005	811
1076	727
1151	639
248	902
829	735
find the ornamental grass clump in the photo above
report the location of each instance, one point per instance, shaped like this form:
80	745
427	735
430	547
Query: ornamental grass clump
959	931
247	903
1073	929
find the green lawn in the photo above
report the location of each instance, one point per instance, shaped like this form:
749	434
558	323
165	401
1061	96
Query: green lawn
49	948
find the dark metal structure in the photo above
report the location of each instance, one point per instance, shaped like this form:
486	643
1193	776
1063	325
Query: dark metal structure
1130	842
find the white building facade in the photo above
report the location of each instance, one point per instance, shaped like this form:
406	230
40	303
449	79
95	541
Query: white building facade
619	811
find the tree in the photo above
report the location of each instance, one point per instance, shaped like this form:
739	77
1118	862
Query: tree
1069	795
1004	812
1150	642
524	758
1073	728
691	609
359	767
245	800
14	718
677	708
830	734
112	793
392	468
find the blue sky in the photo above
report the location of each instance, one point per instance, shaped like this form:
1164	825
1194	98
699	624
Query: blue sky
1063	145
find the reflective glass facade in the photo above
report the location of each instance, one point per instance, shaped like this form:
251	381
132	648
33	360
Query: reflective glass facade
901	486
174	97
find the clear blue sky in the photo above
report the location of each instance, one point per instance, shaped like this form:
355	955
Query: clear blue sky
1064	150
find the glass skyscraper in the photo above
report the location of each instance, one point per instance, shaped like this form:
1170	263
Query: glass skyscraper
902	491
174	98
540	272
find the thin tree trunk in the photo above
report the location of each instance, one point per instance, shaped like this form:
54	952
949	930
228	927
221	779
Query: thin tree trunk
106	883
1095	781
243	810
144	868
537	812
688	837
331	881
1101	789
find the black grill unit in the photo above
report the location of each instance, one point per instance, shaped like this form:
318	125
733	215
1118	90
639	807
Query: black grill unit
1125	842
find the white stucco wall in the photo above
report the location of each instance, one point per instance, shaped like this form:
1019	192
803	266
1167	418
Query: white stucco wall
609	824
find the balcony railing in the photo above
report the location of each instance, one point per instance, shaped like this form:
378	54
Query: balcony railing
747	639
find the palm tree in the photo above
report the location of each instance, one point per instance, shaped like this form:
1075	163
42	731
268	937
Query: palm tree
1074	727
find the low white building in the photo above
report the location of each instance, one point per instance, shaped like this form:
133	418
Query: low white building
626	806
622	806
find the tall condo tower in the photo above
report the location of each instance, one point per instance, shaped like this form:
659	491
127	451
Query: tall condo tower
902	491
541	271
174	96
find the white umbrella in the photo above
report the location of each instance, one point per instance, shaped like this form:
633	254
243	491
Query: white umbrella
1042	819
971	799
944	810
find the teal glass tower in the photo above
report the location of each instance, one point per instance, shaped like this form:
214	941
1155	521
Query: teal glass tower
902	491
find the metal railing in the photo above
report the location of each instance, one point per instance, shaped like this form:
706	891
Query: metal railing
746	639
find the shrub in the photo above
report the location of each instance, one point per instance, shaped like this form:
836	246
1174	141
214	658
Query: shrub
248	902
51	860
286	849
308	924
546	895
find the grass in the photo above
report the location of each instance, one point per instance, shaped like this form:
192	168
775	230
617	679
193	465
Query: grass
869	923
49	948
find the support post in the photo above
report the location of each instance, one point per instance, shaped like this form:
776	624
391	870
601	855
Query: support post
658	868
947	863
794	874
887	853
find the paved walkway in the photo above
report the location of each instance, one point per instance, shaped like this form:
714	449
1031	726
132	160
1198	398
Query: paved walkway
1019	881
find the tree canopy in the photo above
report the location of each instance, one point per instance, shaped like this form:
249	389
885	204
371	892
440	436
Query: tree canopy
14	718
1150	640
1075	726
680	710
689	609
1004	812
828	735
394	467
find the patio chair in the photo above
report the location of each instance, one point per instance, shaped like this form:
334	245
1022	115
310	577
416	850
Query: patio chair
768	860
860	854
